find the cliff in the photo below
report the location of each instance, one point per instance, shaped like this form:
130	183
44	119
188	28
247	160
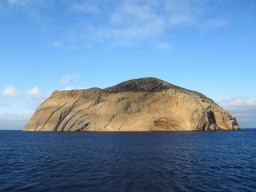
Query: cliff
146	104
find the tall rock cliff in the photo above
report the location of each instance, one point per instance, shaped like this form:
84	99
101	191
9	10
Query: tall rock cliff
146	104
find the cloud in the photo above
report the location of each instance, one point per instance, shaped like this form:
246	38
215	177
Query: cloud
213	24
68	88
73	88
86	7
14	121
27	4
2	105
34	8
35	92
9	91
124	23
132	22
119	23
57	44
19	2
65	79
36	97
243	108
182	12
164	46
240	102
15	116
62	45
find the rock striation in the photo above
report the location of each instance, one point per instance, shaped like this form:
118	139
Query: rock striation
146	104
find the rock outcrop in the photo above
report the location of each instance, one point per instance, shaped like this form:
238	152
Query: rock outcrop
146	104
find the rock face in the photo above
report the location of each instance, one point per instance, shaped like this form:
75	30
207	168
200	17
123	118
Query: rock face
146	104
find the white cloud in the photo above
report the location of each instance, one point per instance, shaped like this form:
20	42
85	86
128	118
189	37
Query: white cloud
57	44
35	92
213	24
182	12
171	12
134	21
14	121
27	4
128	23
2	105
243	108
62	45
19	2
9	91
131	22
65	79
164	46
15	116
73	88
33	8
239	102
85	7
133	13
68	88
36	97
123	22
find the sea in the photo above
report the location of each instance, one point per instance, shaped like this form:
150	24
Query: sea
151	161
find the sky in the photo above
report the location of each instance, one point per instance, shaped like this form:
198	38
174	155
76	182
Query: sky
203	45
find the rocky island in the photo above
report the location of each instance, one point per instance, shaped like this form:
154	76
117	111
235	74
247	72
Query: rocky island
146	104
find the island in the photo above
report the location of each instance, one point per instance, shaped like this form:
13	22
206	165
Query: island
145	104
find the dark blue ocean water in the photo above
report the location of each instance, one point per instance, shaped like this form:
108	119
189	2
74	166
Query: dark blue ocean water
180	161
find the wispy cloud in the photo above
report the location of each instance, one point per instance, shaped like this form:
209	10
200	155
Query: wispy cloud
62	45
183	12
131	22
36	93
36	97
4	105
65	79
72	88
243	108
240	102
213	24
164	46
68	88
27	4
15	116
86	7
15	121
9	91
121	23
57	44
19	2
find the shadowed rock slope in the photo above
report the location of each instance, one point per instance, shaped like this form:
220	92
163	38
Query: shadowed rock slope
146	104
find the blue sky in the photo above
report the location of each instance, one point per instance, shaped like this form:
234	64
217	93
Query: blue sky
203	45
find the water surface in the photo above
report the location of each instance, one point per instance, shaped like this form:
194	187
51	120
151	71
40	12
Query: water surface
158	161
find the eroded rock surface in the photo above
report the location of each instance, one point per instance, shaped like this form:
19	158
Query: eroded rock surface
146	104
